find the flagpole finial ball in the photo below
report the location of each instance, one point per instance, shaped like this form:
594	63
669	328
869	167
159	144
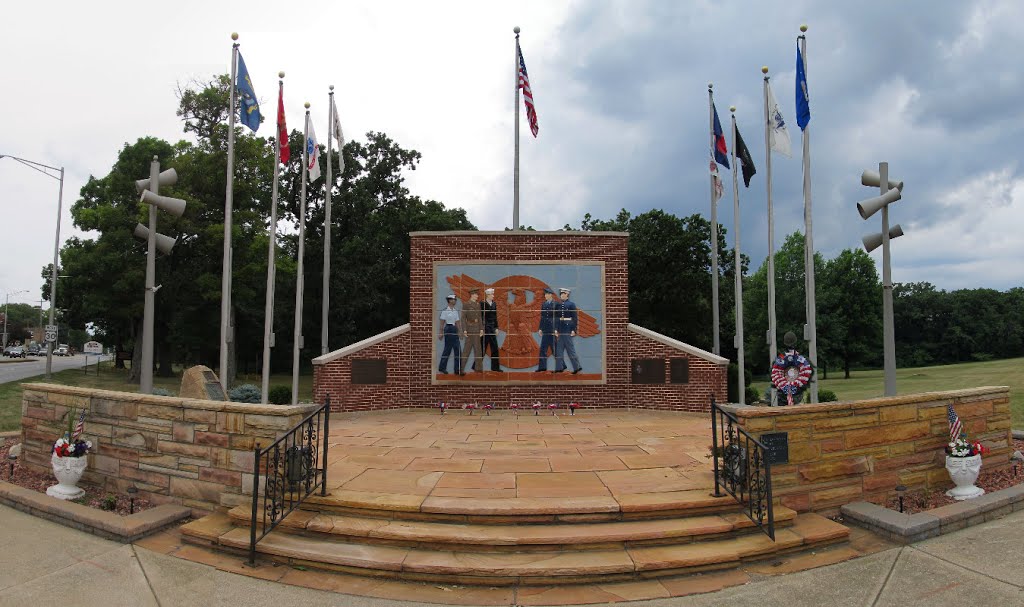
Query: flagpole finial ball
280	74
732	108
711	85
234	35
764	69
803	28
306	105
331	87
516	29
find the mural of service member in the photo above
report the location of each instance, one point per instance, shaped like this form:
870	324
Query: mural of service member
566	322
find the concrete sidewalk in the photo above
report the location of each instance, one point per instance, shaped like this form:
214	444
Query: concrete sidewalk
45	563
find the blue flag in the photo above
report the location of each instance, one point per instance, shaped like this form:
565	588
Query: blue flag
718	147
803	103
249	108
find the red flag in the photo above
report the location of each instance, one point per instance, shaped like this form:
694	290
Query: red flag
282	129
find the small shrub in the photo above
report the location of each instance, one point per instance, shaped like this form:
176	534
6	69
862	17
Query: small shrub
161	392
109	503
752	395
245	393
827	396
280	395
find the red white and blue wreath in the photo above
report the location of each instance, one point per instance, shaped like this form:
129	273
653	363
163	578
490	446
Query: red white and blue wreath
790	374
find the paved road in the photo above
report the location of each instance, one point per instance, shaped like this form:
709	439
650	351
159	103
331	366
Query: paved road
18	371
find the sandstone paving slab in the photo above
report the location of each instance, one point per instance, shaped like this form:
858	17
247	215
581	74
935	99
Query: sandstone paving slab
446	464
379	462
405	482
660	460
578	463
470	492
586	594
559	484
516	464
445	594
418	452
920	579
483	480
646	480
369	500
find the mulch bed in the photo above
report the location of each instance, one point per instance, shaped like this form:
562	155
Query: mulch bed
920	501
94	497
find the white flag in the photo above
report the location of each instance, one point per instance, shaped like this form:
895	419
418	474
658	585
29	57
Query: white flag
312	155
718	190
778	133
339	136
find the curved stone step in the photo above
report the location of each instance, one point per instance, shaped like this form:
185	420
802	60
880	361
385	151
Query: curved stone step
670	504
526	568
546	537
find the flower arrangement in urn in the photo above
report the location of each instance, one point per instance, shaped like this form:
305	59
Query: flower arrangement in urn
68	459
963	460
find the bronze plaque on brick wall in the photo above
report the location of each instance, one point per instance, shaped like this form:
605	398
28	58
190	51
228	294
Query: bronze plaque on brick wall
679	370
369	371
648	370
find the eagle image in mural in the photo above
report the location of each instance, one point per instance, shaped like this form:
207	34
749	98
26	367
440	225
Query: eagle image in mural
518	315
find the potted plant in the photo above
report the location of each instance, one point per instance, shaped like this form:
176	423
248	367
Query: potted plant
69	461
963	462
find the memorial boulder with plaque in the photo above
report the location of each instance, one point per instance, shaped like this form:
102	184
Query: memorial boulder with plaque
202	383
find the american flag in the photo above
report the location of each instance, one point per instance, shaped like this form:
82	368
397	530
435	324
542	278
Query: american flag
955	427
524	83
79	427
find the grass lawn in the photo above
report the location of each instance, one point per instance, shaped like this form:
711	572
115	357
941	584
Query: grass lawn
870	383
115	379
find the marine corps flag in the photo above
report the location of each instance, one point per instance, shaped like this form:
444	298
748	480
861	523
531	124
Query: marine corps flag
282	128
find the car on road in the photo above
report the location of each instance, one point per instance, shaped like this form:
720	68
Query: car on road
61	351
18	352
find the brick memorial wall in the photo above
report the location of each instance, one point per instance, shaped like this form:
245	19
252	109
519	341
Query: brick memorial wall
196	453
861	450
410	360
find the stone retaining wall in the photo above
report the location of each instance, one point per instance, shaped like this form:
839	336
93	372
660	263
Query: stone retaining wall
860	450
196	453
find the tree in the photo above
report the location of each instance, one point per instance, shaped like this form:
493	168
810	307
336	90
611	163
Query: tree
850	306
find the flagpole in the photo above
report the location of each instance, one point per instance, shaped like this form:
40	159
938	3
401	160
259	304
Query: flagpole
811	330
268	311
329	185
715	348
738	270
299	283
225	283
515	170
772	331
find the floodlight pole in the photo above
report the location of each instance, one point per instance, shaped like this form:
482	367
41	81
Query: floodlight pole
38	166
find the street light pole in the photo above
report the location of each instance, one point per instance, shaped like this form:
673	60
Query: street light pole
38	166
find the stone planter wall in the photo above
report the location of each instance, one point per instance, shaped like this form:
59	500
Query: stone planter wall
196	453
852	451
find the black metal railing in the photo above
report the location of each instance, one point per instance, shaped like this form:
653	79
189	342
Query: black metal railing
742	468
291	469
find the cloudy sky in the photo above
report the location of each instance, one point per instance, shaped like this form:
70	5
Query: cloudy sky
934	88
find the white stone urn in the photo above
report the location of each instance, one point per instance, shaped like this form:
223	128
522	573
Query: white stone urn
68	471
964	472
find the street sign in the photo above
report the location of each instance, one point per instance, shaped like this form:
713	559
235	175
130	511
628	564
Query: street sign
50	336
92	347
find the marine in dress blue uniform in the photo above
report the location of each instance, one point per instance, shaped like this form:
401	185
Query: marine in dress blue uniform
547	329
450	334
566	322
